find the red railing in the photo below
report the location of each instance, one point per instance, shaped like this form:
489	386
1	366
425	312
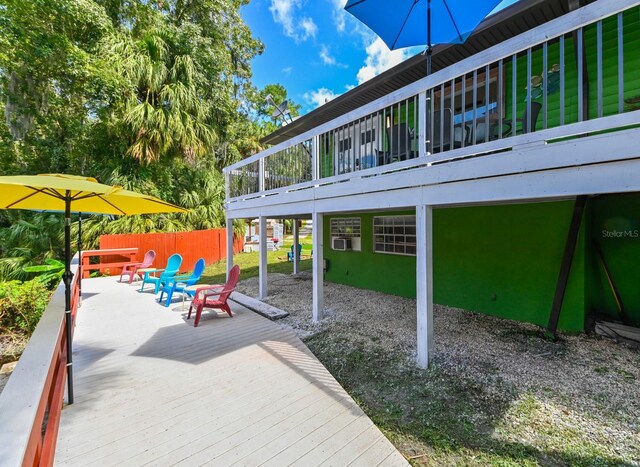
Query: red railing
31	402
128	254
208	244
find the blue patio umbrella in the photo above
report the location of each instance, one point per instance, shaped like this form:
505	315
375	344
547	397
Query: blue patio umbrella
407	23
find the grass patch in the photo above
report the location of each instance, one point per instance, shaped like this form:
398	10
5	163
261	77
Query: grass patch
438	418
248	262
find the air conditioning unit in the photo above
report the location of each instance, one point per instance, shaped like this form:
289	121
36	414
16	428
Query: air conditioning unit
342	244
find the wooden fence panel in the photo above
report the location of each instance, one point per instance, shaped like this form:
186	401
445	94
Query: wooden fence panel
207	244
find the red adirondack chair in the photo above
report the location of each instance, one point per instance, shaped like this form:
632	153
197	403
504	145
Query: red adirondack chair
215	296
132	268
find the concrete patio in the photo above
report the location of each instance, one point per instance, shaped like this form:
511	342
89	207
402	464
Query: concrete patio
152	389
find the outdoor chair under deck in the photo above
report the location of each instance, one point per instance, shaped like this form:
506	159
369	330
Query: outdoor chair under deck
528	125
290	253
131	269
214	296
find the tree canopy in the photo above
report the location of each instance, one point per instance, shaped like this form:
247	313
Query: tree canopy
153	95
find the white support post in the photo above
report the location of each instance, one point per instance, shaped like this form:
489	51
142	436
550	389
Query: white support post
318	267
263	257
229	245
296	253
424	283
422	124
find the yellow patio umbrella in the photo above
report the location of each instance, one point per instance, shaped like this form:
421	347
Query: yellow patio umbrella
71	193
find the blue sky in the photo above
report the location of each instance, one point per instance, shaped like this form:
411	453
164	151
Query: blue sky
315	49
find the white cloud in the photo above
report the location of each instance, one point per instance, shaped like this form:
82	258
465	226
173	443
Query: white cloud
308	27
339	14
327	59
287	70
379	59
284	13
349	87
320	96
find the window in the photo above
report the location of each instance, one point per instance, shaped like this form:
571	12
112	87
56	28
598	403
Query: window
368	136
345	228
394	235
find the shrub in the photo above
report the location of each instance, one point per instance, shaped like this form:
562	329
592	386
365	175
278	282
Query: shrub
21	305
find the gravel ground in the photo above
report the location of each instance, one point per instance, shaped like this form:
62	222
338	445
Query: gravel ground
3	381
11	347
584	377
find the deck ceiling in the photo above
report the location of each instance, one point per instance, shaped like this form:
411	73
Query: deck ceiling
519	17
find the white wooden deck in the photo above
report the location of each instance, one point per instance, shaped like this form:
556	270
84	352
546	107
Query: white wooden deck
153	390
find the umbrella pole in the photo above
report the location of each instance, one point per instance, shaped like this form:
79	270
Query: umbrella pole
80	272
429	92
67	293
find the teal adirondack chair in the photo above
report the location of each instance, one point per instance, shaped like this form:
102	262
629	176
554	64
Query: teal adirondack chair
178	283
172	268
290	254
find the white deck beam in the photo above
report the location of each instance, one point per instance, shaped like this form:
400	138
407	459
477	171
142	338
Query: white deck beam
424	283
296	253
262	226
229	245
318	267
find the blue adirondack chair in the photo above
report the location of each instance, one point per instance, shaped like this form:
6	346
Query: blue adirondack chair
178	283
172	268
290	254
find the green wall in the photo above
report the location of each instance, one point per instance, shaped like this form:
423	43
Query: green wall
615	228
499	260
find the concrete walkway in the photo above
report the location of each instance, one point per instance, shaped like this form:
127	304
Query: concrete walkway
153	390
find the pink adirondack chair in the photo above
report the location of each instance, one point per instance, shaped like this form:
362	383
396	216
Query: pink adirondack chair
214	296
131	269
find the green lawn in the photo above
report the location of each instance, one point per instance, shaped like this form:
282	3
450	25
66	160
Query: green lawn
248	262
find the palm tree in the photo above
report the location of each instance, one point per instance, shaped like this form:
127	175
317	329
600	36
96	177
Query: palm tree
29	241
163	112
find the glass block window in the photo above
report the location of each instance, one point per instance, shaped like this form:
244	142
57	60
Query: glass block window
346	227
394	235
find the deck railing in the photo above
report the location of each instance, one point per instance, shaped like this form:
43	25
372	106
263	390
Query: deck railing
31	402
574	73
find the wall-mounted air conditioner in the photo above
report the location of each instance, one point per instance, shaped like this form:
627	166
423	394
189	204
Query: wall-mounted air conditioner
342	244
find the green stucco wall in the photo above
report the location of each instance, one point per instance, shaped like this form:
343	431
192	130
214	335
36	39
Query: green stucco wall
499	260
631	43
615	228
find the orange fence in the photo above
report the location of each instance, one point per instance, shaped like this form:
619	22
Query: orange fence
208	244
